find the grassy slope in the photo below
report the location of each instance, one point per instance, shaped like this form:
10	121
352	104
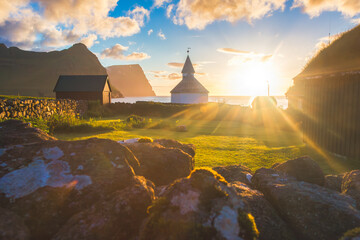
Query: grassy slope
224	143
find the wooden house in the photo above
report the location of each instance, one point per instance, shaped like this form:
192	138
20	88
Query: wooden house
189	90
330	93
84	87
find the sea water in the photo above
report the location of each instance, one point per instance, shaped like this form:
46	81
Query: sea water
232	100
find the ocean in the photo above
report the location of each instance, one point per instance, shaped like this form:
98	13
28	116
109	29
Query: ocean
232	100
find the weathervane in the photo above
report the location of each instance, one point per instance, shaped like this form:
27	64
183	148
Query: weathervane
188	51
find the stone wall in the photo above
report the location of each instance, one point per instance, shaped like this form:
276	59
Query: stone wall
40	108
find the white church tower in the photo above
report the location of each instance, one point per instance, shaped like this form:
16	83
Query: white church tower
189	90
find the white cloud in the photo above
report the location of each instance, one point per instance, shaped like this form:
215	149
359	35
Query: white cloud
89	40
197	14
169	10
150	32
55	24
161	35
118	52
159	3
355	21
244	56
315	7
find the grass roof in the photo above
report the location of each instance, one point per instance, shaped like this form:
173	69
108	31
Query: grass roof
342	55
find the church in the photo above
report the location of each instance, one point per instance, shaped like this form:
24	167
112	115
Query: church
189	90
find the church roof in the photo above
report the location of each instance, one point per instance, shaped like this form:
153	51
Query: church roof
188	67
189	84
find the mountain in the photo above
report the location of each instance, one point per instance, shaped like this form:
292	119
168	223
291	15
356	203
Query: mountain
131	80
30	73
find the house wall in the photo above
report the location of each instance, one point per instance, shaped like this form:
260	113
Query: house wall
90	96
332	107
189	98
106	97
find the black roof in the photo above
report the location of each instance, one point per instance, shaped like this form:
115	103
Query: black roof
81	83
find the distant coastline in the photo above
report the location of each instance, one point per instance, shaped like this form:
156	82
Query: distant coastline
232	100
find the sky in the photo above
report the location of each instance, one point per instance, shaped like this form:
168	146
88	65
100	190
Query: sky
238	47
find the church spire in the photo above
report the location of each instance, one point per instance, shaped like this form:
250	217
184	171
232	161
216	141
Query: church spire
188	67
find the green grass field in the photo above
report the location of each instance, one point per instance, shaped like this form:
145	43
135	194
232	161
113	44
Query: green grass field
228	142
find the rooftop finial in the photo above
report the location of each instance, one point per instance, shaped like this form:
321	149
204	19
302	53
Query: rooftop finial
188	51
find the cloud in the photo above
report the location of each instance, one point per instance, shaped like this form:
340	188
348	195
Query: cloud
232	51
159	3
118	52
150	32
180	65
164	75
161	35
52	23
9	7
175	76
314	7
89	40
355	21
169	10
244	56
197	14
157	72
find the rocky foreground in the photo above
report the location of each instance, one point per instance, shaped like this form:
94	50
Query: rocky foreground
102	189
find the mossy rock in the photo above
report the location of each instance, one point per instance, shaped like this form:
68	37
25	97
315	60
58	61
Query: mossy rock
145	140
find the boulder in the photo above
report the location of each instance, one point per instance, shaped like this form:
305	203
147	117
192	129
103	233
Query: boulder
233	173
12	226
160	164
303	169
170	143
15	132
201	206
47	182
116	217
267	220
351	185
353	234
334	182
313	212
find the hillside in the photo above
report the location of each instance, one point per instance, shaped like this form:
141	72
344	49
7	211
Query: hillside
35	73
343	55
131	80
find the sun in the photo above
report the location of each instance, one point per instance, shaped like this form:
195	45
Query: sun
252	78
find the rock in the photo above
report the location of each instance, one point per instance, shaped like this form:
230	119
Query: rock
313	212
201	206
334	182
48	182
159	164
351	185
268	222
12	226
353	234
303	169
15	132
117	217
169	143
235	173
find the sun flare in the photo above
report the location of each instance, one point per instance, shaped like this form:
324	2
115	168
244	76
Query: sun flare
252	78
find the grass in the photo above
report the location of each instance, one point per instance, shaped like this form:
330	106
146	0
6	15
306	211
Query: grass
226	142
22	97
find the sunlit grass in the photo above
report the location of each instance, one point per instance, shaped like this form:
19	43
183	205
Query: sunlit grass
227	142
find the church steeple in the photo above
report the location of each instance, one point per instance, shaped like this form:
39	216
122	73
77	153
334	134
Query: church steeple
188	67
